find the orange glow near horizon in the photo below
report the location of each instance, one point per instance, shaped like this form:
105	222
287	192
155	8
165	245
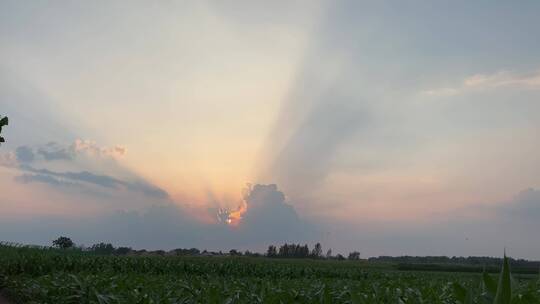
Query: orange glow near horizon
235	217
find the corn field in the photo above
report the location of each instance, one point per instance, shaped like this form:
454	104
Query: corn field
46	275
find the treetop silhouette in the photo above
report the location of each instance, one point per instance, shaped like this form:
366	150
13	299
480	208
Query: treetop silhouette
3	122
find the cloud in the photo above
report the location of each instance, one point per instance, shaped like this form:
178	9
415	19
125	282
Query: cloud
269	219
524	206
41	178
24	154
91	148
53	151
82	166
501	79
57	178
441	92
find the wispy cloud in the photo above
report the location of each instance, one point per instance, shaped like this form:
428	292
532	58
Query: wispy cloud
501	79
67	178
36	164
90	147
53	151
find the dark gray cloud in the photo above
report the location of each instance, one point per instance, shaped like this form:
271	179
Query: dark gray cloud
269	219
524	206
478	230
48	152
88	184
276	220
56	178
25	154
54	151
38	178
41	178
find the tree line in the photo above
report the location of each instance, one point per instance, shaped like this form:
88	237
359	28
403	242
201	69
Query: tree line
302	251
296	251
455	260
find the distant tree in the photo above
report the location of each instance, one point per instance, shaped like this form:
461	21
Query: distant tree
63	242
354	256
122	250
234	252
141	252
283	250
191	251
272	251
304	251
317	251
103	248
3	122
289	251
329	253
340	257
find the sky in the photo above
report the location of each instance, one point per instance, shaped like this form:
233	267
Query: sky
392	128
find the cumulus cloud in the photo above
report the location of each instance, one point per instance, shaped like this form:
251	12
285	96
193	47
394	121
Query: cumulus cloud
268	216
501	79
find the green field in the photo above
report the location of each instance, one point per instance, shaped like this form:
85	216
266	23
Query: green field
29	275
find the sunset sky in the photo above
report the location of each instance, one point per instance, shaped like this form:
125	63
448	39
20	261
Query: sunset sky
410	127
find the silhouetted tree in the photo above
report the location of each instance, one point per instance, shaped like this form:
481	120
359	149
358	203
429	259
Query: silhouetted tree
354	256
63	242
3	122
329	253
191	251
252	254
340	257
122	250
234	252
304	251
317	251
103	248
272	251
